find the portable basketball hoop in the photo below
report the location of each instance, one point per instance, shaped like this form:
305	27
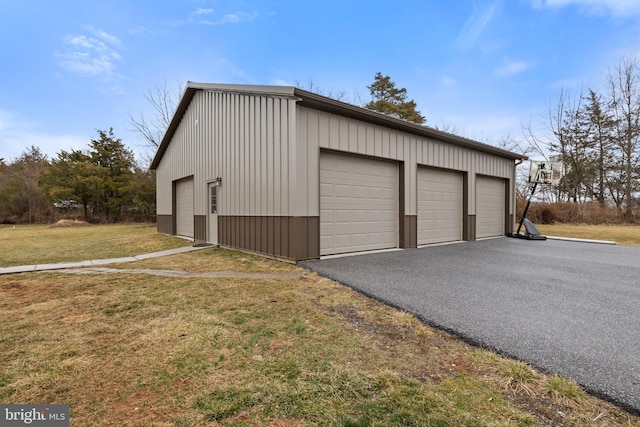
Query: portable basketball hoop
540	173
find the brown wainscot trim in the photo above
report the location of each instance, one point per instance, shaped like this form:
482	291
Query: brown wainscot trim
409	232
165	224
470	228
291	238
200	228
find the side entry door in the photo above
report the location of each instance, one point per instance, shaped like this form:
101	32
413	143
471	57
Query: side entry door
213	212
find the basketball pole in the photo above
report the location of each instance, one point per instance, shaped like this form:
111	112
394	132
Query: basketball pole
531	232
526	209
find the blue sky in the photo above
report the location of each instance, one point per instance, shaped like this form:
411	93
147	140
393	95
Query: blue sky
481	67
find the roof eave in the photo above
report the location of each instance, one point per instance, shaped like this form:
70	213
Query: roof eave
319	102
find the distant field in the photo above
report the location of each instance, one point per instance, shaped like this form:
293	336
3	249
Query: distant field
621	234
41	244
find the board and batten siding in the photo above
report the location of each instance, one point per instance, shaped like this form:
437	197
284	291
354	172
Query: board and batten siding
317	130
248	141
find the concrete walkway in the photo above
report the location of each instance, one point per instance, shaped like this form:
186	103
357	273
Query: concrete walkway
67	265
181	273
91	267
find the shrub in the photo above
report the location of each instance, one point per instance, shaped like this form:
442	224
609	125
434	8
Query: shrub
572	213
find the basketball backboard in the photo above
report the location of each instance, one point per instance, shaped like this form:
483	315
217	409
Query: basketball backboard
544	172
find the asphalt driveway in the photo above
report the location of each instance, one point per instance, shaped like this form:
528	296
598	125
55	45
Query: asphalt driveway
566	307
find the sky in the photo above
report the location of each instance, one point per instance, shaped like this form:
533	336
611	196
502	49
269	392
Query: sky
479	68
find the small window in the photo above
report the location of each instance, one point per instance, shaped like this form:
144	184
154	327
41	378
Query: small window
214	199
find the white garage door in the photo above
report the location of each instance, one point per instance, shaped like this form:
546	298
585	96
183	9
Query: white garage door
358	204
490	207
184	207
439	206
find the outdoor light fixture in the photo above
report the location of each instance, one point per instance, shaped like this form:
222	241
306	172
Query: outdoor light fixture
219	180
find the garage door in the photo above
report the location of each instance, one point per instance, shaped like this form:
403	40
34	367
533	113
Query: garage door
184	207
358	204
439	206
490	207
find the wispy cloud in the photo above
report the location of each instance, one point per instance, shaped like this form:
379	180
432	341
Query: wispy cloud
93	54
232	18
208	16
202	11
483	13
613	7
511	68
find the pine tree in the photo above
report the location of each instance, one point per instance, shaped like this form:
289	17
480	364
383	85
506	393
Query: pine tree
389	100
116	164
601	134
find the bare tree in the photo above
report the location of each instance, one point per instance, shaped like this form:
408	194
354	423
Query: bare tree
20	193
535	145
163	101
624	86
310	86
450	127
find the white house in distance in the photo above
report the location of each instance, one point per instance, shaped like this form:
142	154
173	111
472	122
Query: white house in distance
294	175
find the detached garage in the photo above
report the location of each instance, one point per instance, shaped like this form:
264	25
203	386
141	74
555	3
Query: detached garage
291	174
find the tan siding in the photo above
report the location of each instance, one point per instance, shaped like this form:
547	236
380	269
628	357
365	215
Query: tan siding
296	198
353	136
343	135
243	139
287	134
313	158
270	154
275	160
329	131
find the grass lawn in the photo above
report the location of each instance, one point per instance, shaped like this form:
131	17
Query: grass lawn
621	234
42	244
132	350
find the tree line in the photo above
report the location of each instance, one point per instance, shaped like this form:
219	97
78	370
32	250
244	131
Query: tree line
103	183
597	137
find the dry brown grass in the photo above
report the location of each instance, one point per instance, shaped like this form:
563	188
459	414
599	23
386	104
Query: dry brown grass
70	223
205	260
144	350
621	234
40	244
131	350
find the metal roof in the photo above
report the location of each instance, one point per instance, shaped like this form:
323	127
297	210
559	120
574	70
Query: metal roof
323	103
